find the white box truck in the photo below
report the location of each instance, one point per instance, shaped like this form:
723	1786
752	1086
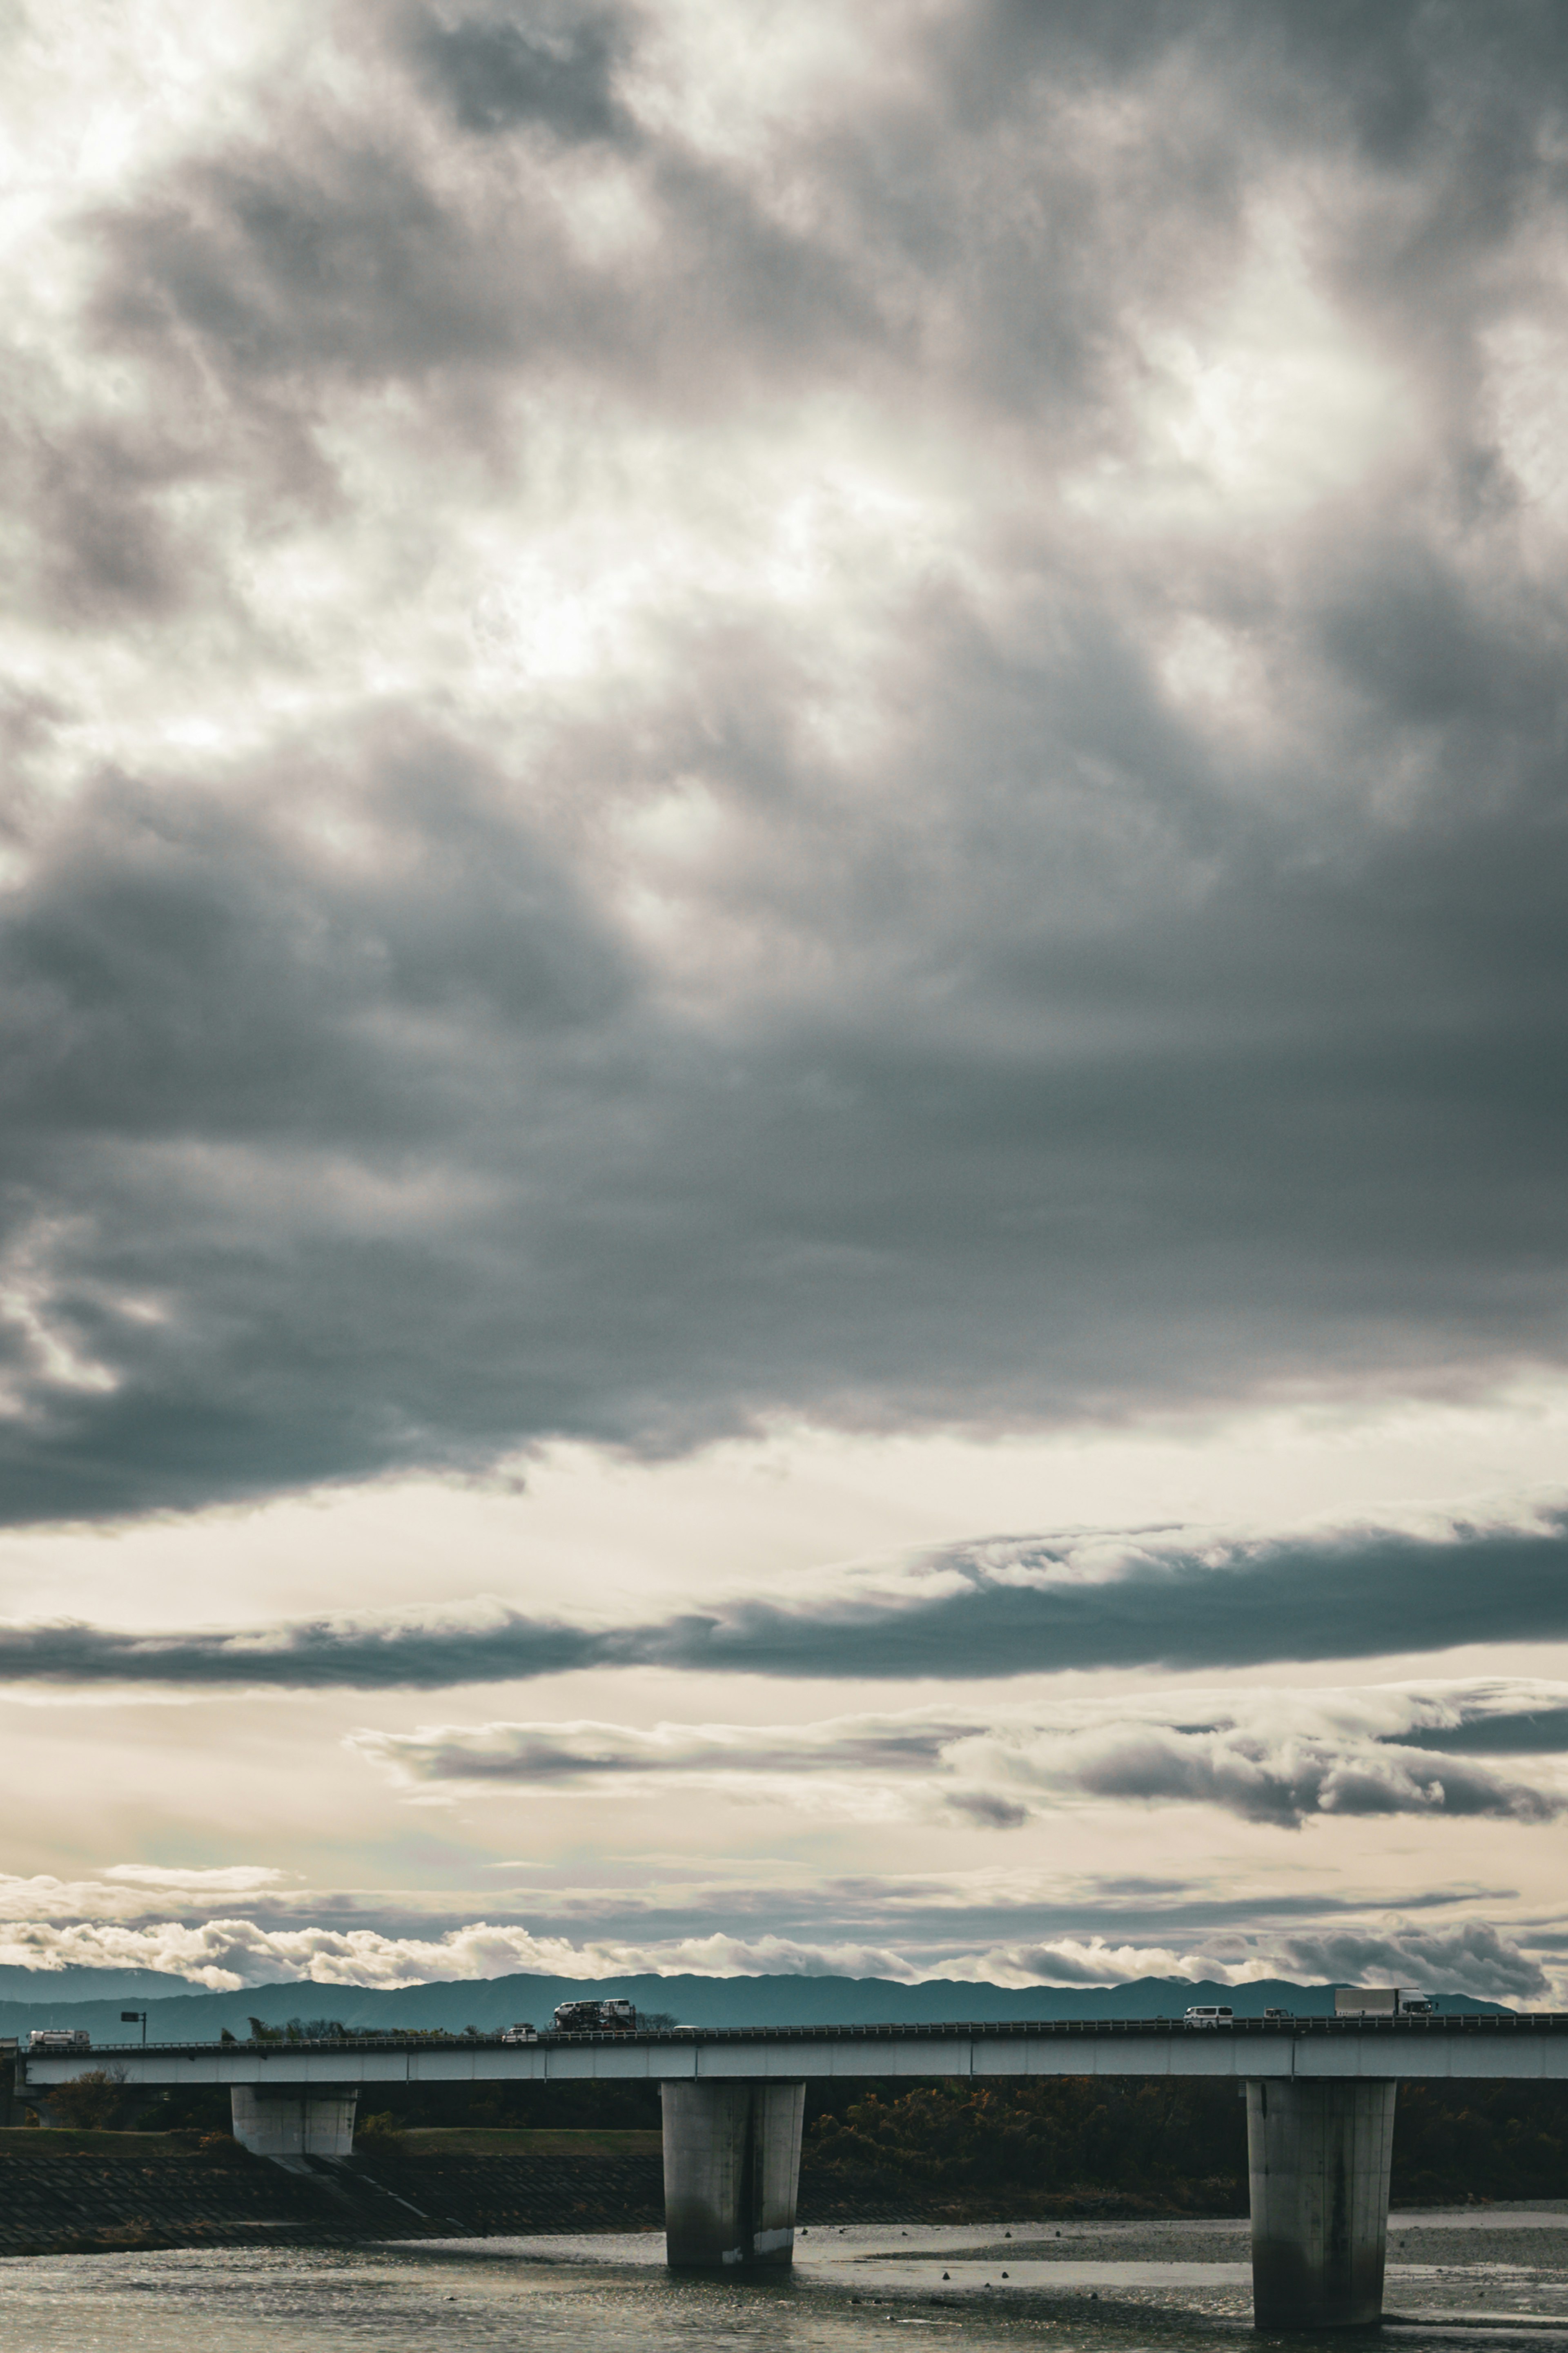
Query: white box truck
1380	2001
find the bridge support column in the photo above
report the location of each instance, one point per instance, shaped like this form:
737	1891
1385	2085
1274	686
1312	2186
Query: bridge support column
731	2173
1318	2154
289	2123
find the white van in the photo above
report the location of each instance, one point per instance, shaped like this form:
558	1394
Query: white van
521	2033
1211	2015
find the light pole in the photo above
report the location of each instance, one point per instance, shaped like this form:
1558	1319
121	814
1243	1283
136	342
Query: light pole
130	2017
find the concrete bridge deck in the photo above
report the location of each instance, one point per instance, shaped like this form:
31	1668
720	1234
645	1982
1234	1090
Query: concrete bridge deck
1530	2045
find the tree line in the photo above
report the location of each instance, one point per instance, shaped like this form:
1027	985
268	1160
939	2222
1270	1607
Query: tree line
1180	2143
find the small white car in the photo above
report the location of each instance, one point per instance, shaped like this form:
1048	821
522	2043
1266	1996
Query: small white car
1210	2015
521	2033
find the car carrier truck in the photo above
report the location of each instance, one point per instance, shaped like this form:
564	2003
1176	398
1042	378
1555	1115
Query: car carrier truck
595	2018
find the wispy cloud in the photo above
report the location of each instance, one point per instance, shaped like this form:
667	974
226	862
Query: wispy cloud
1275	1756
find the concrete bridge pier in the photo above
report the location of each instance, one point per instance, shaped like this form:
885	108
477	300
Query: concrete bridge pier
289	2122
731	2172
1318	2154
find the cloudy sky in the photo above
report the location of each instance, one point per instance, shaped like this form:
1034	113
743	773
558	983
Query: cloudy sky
782	1002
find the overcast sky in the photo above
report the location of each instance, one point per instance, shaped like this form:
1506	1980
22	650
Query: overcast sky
783	989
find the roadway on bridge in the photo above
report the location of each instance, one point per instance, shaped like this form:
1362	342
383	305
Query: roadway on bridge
1528	2046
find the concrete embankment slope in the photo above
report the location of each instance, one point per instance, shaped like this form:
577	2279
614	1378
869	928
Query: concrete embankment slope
80	2198
64	2192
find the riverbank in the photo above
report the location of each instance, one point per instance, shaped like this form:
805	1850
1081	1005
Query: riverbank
65	2192
80	2192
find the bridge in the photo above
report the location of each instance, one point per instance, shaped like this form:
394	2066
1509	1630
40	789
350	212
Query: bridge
1320	2111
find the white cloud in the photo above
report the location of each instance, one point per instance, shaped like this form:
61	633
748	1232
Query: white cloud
228	1954
1257	413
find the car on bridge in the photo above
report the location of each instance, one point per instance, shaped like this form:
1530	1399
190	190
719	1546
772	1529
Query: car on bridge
60	2038
1209	2016
521	2033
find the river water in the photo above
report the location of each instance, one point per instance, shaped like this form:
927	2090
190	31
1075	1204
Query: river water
1091	2288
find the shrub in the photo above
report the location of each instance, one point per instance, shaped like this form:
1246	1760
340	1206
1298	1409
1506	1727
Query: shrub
96	2101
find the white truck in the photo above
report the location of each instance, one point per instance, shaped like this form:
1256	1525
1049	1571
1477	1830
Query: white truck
60	2038
1380	2001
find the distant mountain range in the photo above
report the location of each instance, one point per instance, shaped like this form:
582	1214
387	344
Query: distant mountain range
179	2013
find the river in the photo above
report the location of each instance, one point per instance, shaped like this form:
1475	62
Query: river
1172	2288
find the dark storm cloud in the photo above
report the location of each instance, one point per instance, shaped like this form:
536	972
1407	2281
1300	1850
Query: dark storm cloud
498	70
962	236
337	262
255	283
97	537
1400	76
305	1656
1011	1607
1174	1603
1021	1047
1289	1783
318	1167
1468	1958
1540	1732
